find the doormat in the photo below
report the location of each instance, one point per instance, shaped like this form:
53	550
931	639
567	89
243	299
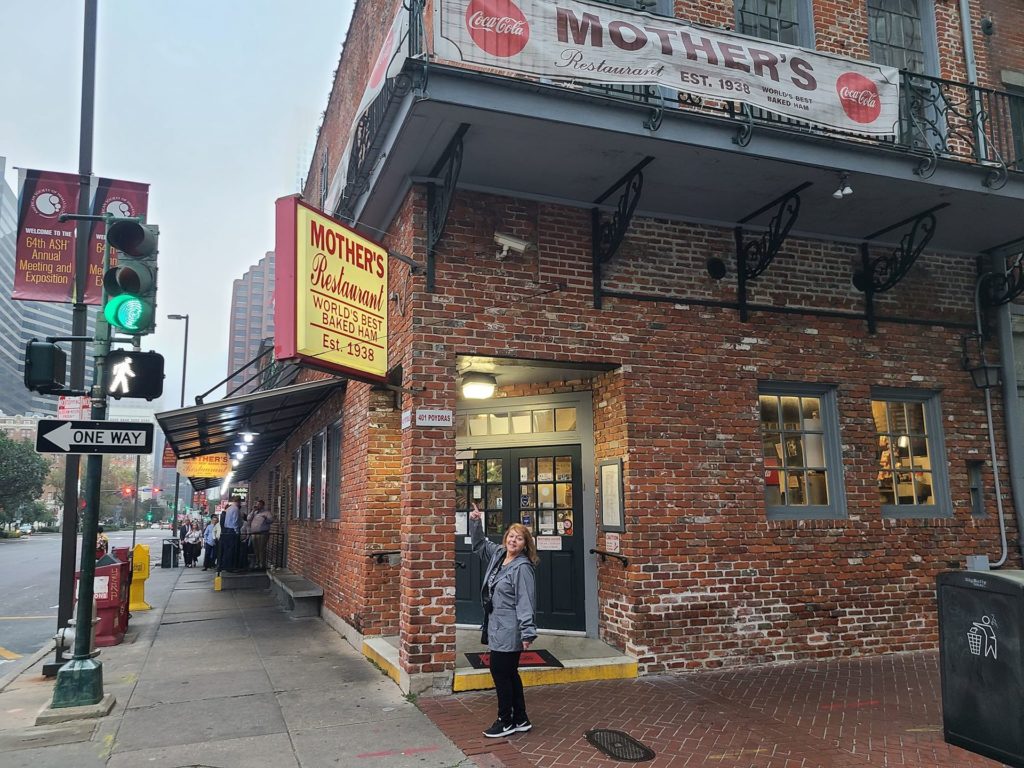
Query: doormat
526	659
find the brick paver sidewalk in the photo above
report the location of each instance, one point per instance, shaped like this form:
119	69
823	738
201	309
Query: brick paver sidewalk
880	711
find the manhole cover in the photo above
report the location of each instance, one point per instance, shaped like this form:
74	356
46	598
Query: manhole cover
619	746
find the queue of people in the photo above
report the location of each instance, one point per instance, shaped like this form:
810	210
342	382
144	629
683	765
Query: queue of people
231	541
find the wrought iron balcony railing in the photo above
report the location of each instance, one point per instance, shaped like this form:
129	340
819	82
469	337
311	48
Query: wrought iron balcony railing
938	119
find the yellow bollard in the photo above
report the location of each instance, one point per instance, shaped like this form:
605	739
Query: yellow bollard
140	572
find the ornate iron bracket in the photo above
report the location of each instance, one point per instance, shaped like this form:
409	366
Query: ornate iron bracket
886	271
439	197
607	235
746	130
1003	287
753	257
654	118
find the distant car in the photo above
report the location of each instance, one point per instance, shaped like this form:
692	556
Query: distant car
155	526
25	529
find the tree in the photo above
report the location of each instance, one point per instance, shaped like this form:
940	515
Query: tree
22	472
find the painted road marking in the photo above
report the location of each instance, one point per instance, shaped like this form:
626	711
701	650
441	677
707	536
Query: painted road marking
8	655
25	618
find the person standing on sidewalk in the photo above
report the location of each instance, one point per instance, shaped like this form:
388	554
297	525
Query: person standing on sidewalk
229	537
210	536
259	533
509	628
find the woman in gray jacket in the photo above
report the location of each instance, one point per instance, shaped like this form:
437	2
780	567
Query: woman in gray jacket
508	596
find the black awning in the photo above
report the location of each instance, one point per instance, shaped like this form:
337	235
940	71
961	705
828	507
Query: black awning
217	427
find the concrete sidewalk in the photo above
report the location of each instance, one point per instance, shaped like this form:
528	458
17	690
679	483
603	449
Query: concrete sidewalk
226	679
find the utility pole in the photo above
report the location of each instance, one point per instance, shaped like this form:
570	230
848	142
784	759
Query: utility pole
79	325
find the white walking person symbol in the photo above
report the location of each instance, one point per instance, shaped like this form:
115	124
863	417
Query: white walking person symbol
121	373
981	638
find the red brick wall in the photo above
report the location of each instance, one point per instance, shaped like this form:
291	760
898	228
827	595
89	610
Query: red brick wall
711	581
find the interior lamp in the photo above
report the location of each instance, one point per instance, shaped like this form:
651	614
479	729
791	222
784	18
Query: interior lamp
478	386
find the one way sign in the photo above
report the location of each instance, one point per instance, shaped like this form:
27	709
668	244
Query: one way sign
93	437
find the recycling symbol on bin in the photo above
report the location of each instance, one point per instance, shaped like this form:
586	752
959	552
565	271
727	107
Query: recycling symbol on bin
981	638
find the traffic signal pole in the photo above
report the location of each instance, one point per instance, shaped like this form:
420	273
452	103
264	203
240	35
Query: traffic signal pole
79	325
80	681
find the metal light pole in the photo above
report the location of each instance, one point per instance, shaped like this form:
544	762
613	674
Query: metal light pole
79	324
181	404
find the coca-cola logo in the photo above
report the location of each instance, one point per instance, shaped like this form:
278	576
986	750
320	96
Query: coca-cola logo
497	26
859	97
380	67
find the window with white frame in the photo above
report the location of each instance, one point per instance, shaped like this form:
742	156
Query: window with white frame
910	470
333	467
801	451
784	21
297	484
316	476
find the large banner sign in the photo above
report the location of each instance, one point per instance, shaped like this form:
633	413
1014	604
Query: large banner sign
118	198
45	251
44	266
330	294
578	41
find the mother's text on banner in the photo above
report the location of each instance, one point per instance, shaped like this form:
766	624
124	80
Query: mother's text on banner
587	42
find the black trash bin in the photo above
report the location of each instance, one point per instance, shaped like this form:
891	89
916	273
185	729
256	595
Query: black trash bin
981	659
169	553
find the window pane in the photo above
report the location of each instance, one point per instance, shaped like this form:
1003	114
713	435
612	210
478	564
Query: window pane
460	426
904	453
499	424
522	422
478	424
494	470
565	419
793	436
543	421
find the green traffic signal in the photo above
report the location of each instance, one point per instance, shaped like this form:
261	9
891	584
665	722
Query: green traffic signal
131	285
129	313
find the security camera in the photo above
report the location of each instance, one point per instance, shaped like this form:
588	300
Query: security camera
509	243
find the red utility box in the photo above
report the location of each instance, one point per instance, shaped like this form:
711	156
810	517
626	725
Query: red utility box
110	587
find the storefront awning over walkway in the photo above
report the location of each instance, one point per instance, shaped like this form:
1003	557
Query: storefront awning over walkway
270	416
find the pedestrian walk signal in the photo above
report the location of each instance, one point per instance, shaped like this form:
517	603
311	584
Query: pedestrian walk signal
131	285
134	374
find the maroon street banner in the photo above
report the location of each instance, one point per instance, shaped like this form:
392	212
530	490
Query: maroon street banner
45	251
119	198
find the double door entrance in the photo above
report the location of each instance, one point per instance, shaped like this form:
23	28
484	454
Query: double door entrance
540	488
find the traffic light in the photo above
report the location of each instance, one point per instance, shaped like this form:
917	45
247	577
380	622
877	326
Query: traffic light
131	285
134	374
45	367
149	517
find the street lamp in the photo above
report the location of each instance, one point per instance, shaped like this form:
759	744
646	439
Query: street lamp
181	404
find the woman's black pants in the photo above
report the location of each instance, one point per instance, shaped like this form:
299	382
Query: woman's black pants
505	673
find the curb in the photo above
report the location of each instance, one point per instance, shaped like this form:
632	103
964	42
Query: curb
23	664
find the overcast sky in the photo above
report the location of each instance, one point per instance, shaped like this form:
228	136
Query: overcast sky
214	103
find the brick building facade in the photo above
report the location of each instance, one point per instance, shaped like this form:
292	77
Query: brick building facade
801	449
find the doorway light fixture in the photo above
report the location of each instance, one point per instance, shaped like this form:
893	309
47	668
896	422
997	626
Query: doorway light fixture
844	189
478	386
